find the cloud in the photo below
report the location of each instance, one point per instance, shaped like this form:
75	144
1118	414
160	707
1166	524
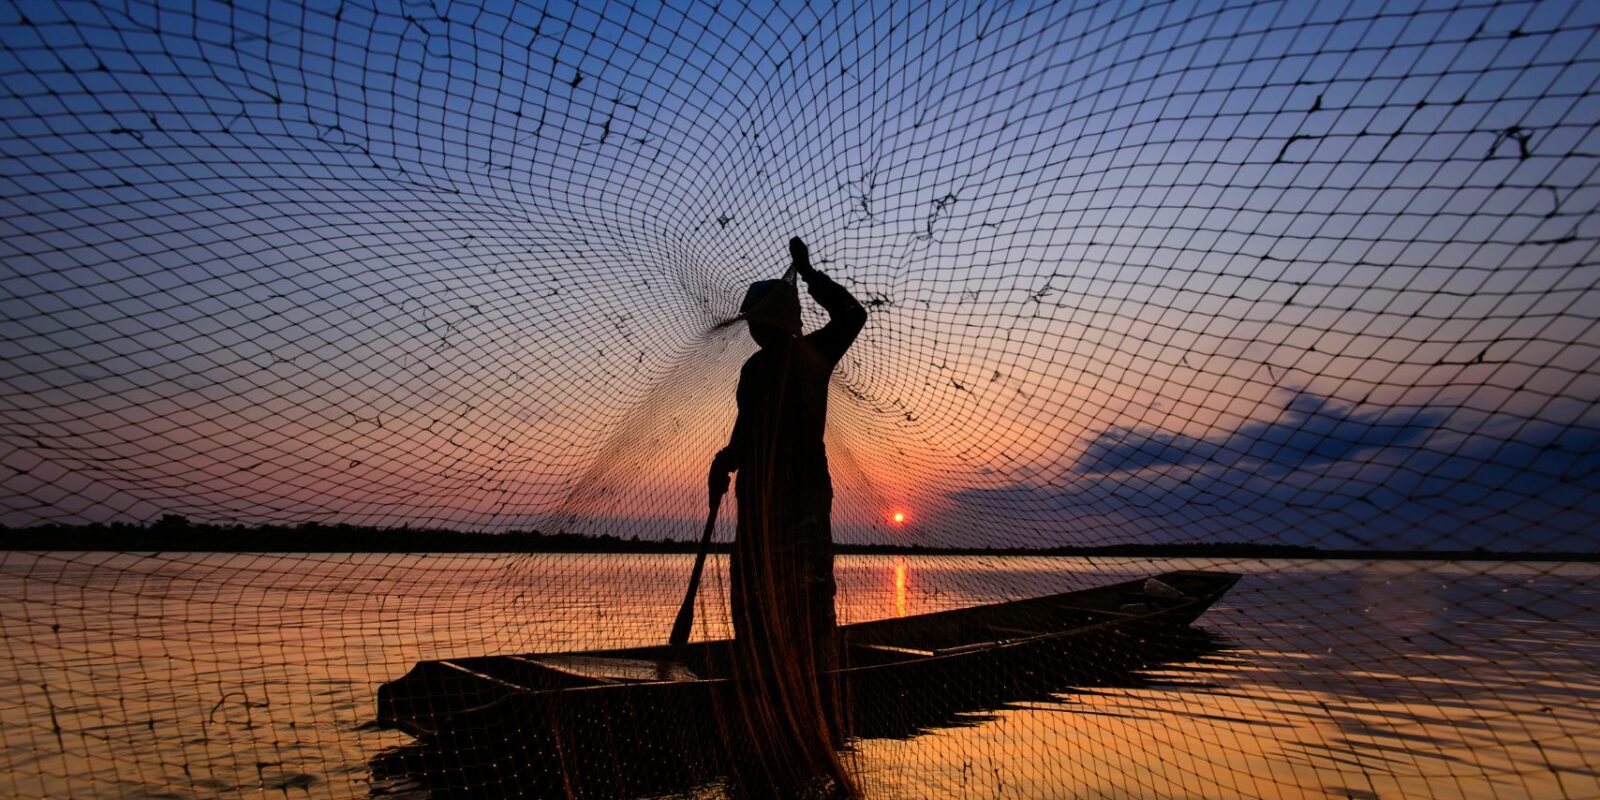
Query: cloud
1324	474
1312	431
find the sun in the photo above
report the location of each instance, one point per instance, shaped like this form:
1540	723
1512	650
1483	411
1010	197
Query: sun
899	517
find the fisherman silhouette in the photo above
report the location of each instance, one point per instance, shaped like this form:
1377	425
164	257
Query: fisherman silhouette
781	571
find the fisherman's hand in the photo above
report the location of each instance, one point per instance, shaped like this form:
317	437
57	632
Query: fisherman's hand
802	258
717	480
716	483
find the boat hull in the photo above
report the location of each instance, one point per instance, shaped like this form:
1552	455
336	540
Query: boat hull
630	721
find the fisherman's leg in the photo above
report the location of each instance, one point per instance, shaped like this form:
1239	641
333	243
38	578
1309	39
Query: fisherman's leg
823	622
760	607
815	543
819	628
756	728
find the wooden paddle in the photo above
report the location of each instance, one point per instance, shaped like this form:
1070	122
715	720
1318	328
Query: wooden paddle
685	620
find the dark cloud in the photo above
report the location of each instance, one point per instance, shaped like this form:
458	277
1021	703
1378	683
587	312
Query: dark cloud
1311	431
1323	474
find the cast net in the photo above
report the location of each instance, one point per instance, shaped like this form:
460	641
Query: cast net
1244	277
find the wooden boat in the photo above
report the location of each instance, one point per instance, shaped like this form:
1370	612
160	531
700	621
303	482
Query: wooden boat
564	713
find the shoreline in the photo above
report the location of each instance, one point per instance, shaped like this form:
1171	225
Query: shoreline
175	534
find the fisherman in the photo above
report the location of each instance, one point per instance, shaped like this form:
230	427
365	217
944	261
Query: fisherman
781	572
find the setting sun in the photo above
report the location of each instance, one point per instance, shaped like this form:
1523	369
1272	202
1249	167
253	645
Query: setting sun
899	517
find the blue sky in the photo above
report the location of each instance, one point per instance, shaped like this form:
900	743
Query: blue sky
453	264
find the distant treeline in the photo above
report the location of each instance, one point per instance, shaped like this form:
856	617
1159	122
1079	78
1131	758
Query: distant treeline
173	533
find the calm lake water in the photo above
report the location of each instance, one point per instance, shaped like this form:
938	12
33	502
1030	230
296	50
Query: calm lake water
220	675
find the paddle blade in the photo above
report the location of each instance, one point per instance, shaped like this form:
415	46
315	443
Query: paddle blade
685	621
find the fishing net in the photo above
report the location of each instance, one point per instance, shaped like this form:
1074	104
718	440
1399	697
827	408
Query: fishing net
304	300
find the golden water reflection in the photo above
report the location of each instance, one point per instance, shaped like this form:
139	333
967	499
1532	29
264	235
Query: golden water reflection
900	587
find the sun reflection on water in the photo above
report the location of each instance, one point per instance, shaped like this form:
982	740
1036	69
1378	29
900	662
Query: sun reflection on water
900	587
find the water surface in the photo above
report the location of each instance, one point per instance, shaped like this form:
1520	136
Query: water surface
227	675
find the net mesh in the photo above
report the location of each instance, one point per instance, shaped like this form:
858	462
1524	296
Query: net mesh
1225	275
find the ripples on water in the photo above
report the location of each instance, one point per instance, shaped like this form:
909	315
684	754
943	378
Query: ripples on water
218	675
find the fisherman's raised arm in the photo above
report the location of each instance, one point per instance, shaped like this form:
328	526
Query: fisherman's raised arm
846	317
